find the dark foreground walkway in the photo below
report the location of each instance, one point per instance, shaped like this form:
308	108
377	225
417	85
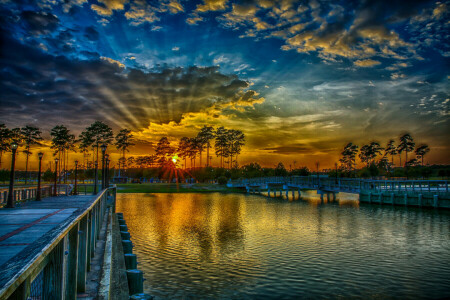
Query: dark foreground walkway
24	225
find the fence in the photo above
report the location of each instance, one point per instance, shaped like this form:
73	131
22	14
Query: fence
351	185
55	266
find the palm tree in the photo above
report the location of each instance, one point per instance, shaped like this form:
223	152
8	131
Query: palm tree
123	142
421	151
5	135
206	134
406	144
31	135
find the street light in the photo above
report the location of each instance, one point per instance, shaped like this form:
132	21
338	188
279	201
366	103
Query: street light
76	173
103	147
10	202
38	193
55	192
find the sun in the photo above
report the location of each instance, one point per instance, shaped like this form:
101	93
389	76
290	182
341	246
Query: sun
174	159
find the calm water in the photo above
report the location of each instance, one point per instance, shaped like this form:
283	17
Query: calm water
251	247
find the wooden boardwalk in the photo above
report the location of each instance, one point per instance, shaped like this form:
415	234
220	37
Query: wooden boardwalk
34	237
24	225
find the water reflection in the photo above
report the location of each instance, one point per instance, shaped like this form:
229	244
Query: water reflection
237	246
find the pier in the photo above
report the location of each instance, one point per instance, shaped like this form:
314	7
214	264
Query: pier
46	246
421	193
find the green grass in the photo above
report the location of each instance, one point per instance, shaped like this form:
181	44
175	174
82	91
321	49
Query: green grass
174	188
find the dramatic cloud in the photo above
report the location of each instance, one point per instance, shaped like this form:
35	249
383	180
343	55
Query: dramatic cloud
51	88
300	78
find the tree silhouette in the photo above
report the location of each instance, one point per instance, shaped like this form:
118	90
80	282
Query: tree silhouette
391	150
163	150
221	144
369	152
349	156
5	135
406	144
31	136
85	141
123	142
62	142
236	139
183	149
100	133
421	151
206	134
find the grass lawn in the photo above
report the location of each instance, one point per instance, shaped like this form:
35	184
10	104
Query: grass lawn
174	188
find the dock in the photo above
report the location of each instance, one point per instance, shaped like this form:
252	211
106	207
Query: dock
46	246
419	193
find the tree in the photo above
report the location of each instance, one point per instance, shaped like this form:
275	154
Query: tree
5	135
206	134
236	139
183	149
349	156
31	136
100	133
123	142
391	150
85	141
221	144
406	144
62	142
163	150
421	151
369	152
280	170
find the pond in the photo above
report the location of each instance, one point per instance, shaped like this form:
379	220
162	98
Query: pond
236	246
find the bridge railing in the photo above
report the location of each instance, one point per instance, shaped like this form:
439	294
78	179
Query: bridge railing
351	184
22	194
55	266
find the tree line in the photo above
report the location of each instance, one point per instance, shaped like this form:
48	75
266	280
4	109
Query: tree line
373	155
227	143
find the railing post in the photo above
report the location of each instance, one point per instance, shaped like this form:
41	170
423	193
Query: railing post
23	291
53	274
88	240
72	264
82	254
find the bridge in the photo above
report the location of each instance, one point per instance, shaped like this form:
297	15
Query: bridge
428	193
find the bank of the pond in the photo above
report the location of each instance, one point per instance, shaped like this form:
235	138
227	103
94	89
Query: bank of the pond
175	188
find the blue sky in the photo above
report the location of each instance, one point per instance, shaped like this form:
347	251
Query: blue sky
300	78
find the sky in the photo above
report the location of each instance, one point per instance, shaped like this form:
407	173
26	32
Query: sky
300	78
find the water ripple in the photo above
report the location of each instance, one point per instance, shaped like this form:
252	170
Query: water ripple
214	246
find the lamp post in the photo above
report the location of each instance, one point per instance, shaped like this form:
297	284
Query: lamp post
76	173
95	177
55	192
38	192
10	202
103	147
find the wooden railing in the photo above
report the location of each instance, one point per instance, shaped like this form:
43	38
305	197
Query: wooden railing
349	185
55	266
